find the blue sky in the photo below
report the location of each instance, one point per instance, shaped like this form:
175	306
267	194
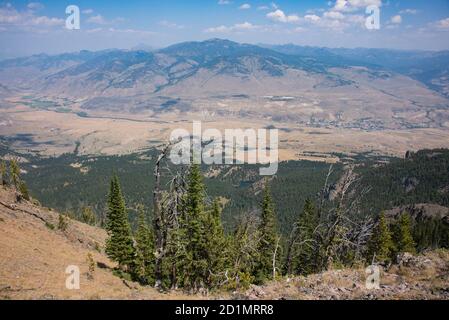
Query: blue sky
28	27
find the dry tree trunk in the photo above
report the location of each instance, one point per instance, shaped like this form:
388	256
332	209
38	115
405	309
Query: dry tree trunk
274	257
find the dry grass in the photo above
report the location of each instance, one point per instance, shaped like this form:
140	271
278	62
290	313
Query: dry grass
57	133
34	258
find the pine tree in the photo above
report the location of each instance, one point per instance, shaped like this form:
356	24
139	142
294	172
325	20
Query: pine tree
304	257
403	235
88	216
144	266
380	245
119	245
194	233
268	239
23	189
243	253
174	263
14	172
217	244
3	179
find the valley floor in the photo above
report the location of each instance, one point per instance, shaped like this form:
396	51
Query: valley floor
34	255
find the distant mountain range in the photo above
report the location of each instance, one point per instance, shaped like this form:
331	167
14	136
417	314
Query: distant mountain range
152	71
429	67
330	82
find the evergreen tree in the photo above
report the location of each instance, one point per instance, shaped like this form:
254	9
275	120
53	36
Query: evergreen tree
3	179
14	172
243	252
174	263
119	245
380	245
23	189
88	216
217	245
403	235
268	239
144	250
194	233
306	225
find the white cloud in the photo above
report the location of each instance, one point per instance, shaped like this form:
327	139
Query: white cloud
238	27
312	18
97	19
245	6
442	24
46	21
35	6
408	11
223	2
334	20
171	25
333	15
280	16
260	8
396	19
10	18
100	20
88	11
298	29
354	5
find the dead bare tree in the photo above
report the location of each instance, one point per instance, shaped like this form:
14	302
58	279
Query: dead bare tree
344	232
294	235
274	257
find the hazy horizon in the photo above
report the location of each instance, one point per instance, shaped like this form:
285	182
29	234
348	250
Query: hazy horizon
28	28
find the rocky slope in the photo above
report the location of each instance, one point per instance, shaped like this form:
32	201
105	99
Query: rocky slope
413	278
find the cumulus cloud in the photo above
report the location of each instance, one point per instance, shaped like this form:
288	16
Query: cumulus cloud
12	19
396	19
245	6
441	24
100	20
88	11
279	16
35	6
334	15
408	11
223	2
46	21
171	25
312	18
238	27
334	20
97	19
354	5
